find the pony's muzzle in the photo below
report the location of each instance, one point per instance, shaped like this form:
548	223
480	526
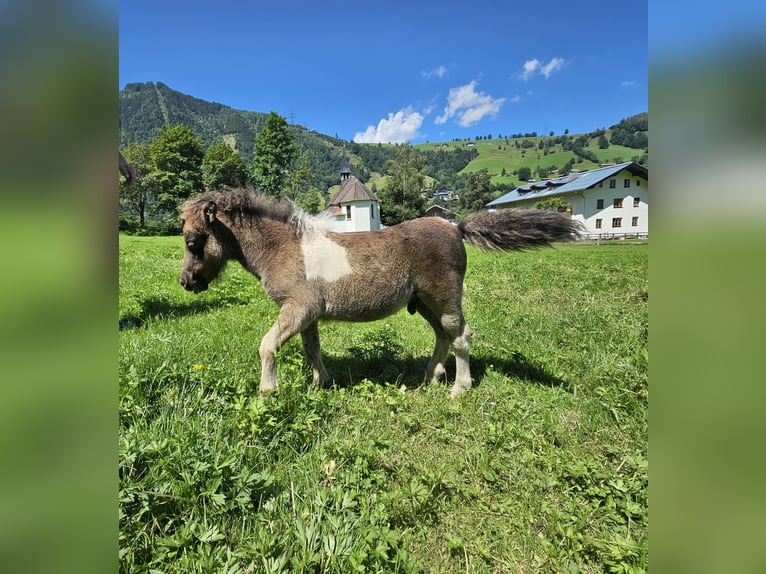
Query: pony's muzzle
191	285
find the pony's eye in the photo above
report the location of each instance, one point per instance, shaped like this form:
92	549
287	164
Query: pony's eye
195	243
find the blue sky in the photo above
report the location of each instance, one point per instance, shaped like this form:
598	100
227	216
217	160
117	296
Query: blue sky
397	71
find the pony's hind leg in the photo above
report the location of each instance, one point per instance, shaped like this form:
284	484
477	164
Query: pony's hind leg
311	347
460	335
435	369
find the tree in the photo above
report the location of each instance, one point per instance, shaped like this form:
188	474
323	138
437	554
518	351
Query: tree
301	179
177	156
400	198
274	152
525	173
553	204
603	143
545	171
477	193
222	166
311	201
135	198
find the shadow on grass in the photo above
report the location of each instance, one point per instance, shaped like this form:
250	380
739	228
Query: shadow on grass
390	365
518	366
160	307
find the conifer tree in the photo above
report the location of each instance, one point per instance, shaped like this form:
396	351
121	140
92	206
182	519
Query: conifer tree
274	153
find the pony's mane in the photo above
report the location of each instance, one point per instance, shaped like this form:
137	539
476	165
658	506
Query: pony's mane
246	204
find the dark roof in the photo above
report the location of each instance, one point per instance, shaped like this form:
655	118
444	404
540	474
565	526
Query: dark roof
568	184
440	208
351	189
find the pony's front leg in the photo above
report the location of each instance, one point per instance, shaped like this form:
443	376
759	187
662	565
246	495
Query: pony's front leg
291	320
310	337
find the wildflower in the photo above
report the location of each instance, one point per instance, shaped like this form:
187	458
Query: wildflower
329	470
198	367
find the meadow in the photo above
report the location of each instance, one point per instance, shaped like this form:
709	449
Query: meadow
541	467
496	155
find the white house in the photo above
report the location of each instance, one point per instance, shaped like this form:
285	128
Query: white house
353	207
611	201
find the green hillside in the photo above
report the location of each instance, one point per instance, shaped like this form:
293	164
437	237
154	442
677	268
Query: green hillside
146	107
502	157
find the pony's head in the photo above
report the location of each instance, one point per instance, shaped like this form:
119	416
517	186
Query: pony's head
210	220
204	250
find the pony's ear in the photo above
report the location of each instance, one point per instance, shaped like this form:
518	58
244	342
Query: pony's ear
209	211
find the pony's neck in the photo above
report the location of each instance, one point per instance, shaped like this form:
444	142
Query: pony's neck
260	243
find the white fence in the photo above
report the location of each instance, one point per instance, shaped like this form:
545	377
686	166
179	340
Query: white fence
599	236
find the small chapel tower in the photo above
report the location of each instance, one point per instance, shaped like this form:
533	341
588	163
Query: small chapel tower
354	207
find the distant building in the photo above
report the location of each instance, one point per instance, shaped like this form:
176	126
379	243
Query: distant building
443	193
353	207
439	211
611	201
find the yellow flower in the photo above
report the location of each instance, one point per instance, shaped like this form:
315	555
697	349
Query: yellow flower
198	367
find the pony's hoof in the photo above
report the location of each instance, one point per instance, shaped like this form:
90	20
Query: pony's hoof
266	393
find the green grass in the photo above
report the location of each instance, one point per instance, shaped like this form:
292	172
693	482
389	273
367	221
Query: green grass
541	467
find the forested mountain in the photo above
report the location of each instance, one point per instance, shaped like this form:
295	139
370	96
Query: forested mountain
147	107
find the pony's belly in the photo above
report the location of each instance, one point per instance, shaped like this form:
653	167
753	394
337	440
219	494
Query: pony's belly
366	304
369	314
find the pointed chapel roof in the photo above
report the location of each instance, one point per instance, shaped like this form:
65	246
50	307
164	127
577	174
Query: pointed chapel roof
351	189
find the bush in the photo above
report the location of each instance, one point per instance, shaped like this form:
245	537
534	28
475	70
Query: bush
168	225
128	223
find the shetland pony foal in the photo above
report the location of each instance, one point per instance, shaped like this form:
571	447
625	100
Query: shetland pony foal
314	274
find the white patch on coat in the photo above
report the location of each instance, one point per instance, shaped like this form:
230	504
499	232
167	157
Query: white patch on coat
323	258
305	222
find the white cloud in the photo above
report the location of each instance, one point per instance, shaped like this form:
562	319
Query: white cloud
439	72
553	66
400	127
628	84
530	67
535	66
516	99
469	106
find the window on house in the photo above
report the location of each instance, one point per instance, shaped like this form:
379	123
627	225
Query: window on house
636	201
638	183
612	183
617	222
372	211
626	182
348	212
634	222
601	183
599	204
617	203
598	223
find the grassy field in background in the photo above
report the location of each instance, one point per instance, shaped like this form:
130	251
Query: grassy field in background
541	467
498	154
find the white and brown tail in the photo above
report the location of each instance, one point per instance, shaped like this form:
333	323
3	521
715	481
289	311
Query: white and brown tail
518	229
